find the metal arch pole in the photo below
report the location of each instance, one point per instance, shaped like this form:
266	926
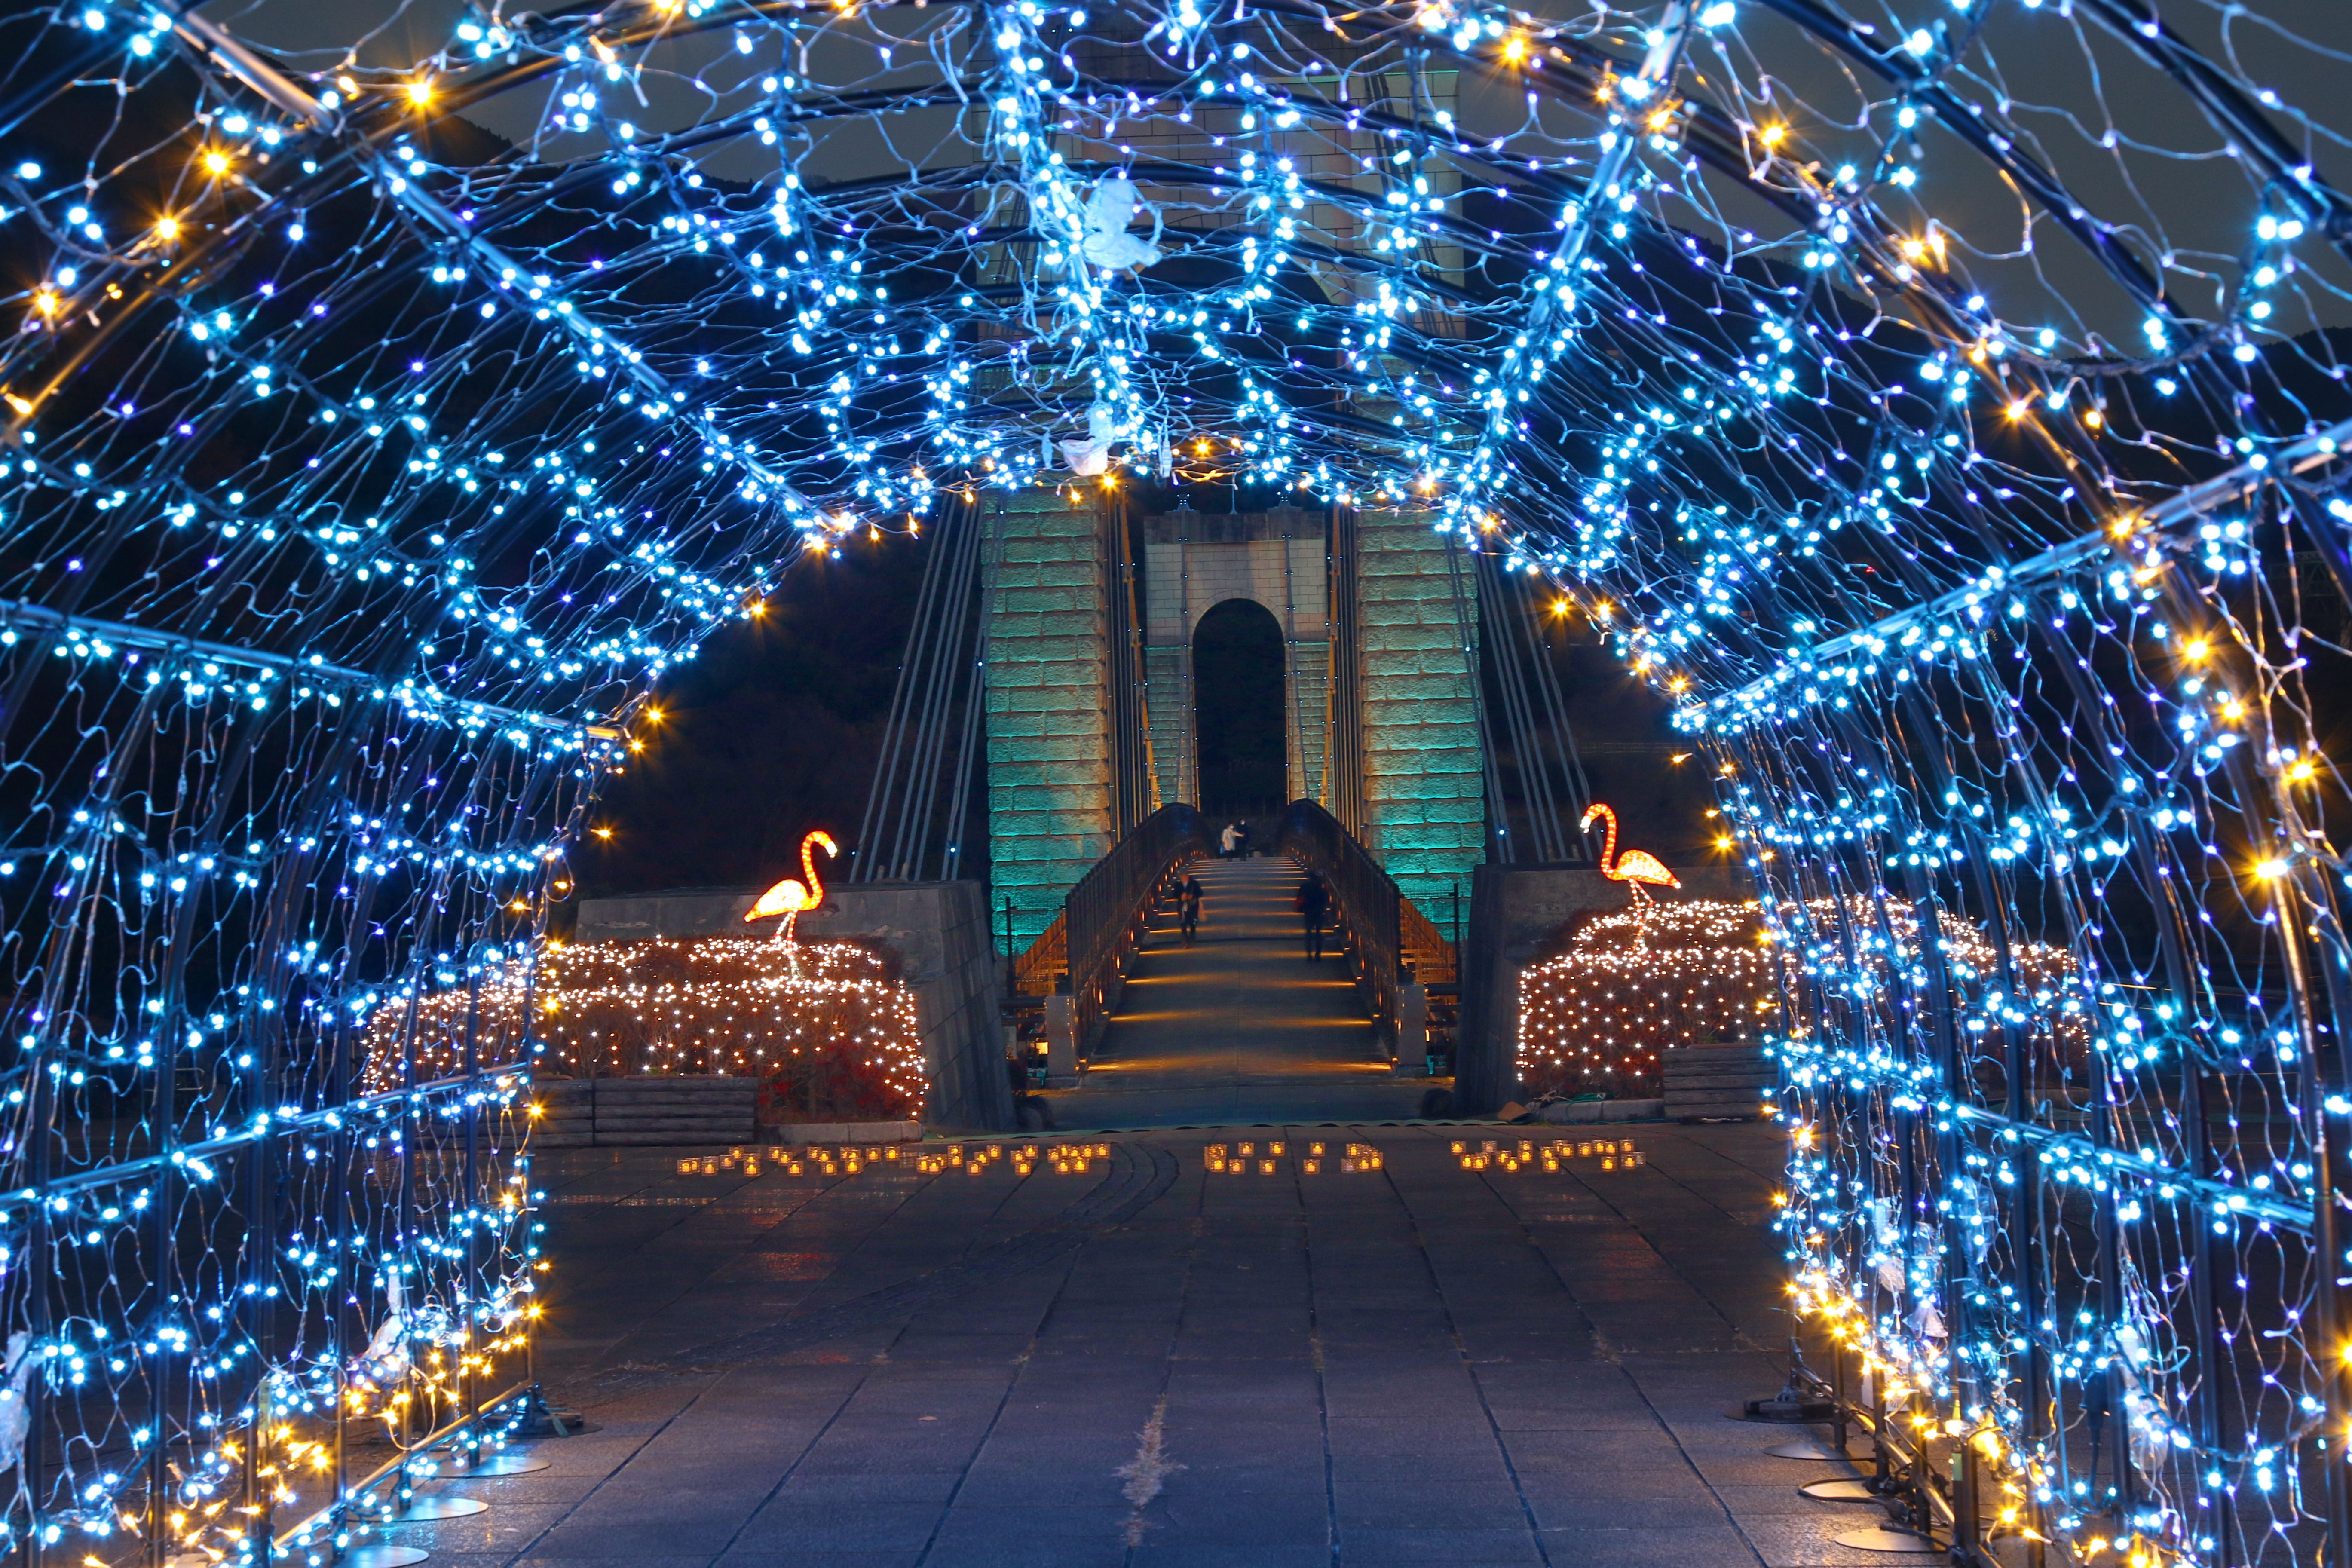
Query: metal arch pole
469	1199
342	1146
200	35
2214	96
2311	931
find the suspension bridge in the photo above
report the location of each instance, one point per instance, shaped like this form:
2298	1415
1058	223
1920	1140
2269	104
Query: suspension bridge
1051	686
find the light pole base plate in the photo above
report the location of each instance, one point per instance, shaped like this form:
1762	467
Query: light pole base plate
1880	1539
1839	1489
426	1510
380	1554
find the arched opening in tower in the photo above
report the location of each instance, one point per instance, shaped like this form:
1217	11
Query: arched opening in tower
1237	691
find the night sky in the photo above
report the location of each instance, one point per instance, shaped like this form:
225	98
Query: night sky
775	728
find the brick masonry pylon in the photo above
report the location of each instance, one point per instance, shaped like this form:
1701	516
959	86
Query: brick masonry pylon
1049	783
1424	790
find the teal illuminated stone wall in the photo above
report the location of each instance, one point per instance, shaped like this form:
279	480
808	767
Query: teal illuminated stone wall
1049	783
1424	795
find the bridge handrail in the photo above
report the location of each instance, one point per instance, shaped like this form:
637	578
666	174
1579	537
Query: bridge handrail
1100	913
1038	967
1395	943
1103	908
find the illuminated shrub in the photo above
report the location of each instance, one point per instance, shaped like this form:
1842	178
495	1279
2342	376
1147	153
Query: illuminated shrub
825	1024
1596	1018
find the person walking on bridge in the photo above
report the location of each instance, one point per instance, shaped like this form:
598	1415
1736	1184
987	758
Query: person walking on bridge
1230	836
1314	899
1188	902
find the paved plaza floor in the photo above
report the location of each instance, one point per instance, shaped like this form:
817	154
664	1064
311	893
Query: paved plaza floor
1354	1349
1260	1320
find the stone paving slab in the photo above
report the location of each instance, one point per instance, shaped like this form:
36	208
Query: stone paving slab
1414	1362
1257	1345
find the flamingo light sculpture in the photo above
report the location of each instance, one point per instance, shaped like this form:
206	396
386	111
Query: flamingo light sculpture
1634	866
789	897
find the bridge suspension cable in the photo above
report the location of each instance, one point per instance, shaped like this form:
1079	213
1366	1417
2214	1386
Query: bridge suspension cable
918	805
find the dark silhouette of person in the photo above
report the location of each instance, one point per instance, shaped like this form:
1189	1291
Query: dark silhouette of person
1188	902
1314	900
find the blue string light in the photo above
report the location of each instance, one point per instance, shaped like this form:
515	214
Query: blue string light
378	437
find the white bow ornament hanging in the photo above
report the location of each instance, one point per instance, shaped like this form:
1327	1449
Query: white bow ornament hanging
1091	456
1108	212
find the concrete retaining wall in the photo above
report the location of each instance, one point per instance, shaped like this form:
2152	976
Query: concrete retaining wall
650	1111
1578	1112
805	1133
1717	1082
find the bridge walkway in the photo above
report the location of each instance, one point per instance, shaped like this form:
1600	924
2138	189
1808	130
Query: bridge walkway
1238	1028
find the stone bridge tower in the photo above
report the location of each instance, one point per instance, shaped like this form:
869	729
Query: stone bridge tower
1279	561
1091	695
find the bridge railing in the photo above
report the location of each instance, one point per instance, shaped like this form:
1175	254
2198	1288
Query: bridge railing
1394	943
1102	914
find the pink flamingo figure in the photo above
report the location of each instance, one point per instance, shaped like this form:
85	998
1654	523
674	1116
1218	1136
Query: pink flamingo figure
1634	866
789	897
